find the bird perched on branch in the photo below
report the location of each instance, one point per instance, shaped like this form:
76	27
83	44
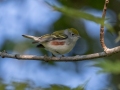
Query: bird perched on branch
59	42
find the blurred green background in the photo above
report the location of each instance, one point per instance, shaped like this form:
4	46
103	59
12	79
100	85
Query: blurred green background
39	17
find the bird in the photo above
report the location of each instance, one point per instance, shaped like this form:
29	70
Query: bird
59	42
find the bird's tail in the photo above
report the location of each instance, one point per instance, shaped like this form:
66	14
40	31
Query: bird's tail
36	39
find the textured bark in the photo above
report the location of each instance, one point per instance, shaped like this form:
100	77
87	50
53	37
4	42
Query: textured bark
102	27
72	58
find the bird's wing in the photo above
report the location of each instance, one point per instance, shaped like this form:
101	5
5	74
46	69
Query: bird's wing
58	35
46	38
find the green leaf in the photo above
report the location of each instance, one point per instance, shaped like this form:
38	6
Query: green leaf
2	86
118	38
59	87
81	14
109	66
79	88
78	14
20	86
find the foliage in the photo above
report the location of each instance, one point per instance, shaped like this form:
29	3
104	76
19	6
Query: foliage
81	14
92	44
78	14
109	66
26	85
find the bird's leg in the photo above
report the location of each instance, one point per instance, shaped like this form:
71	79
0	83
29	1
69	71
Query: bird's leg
60	54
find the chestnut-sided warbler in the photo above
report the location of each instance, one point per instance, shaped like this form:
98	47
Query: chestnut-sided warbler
59	42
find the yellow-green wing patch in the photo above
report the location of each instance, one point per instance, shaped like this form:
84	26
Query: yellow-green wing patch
59	35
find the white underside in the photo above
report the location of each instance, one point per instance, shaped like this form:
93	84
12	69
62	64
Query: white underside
59	49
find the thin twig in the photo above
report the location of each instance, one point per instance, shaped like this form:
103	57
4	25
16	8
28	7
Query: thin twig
72	58
102	27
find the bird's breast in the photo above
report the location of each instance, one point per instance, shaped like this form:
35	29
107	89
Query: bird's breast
57	43
60	46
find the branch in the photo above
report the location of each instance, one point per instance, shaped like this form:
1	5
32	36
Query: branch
72	58
107	52
102	28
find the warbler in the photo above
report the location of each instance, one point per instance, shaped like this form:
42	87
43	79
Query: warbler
59	42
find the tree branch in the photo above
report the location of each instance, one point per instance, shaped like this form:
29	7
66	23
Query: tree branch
107	52
72	58
102	27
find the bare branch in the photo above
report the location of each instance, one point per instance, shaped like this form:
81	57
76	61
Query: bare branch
107	52
102	27
72	58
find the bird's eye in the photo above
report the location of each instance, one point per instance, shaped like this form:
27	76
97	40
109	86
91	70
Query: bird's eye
73	34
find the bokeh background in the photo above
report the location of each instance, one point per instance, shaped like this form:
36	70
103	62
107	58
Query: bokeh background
37	17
